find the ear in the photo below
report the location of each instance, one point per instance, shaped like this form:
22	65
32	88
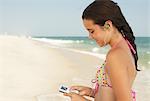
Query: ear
108	25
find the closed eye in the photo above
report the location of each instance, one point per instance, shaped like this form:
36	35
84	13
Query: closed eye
92	32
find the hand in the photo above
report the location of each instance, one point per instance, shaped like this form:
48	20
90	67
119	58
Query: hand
75	97
83	91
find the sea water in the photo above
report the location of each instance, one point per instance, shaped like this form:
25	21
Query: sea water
84	45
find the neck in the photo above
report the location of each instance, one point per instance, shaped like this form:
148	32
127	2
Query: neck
116	39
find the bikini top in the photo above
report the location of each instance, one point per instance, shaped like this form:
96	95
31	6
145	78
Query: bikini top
102	77
103	80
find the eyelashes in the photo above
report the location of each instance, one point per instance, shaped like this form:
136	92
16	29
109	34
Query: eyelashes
92	32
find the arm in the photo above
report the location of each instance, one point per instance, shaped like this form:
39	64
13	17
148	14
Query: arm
118	74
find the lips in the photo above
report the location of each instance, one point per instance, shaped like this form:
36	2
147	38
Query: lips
97	41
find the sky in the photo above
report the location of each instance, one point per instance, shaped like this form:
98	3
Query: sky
63	17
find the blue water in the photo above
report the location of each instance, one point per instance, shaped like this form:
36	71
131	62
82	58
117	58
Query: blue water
84	44
143	47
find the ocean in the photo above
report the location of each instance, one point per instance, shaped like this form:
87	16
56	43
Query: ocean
83	44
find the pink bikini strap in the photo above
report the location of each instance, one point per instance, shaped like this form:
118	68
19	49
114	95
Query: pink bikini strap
130	46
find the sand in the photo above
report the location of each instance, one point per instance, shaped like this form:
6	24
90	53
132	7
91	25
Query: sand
31	69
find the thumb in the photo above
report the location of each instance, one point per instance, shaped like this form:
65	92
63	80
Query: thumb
78	88
68	94
75	88
82	93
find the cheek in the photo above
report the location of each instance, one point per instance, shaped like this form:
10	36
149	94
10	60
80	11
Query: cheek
100	39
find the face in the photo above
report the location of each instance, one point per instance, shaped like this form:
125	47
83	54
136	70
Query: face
96	32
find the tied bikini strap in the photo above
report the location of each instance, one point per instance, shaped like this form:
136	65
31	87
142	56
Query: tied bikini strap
130	46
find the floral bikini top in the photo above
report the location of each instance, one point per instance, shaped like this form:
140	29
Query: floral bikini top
102	80
102	77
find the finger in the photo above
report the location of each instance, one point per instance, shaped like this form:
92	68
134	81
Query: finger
79	88
68	94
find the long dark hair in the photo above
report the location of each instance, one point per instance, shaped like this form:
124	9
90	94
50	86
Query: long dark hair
102	10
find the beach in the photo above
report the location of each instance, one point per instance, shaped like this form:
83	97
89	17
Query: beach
32	70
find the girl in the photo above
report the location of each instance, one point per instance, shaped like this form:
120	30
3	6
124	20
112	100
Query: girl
106	25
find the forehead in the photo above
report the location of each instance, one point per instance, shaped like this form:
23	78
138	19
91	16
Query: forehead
88	23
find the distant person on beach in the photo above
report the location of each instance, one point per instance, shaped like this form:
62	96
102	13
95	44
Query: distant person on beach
106	25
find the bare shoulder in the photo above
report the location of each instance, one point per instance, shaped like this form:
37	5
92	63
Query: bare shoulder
116	58
115	55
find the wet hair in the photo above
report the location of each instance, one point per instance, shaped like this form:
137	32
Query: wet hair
101	11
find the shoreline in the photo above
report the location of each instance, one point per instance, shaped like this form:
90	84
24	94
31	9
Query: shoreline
100	56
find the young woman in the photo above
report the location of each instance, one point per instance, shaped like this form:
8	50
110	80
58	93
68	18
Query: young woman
114	79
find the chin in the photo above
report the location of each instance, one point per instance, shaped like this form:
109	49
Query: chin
101	44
